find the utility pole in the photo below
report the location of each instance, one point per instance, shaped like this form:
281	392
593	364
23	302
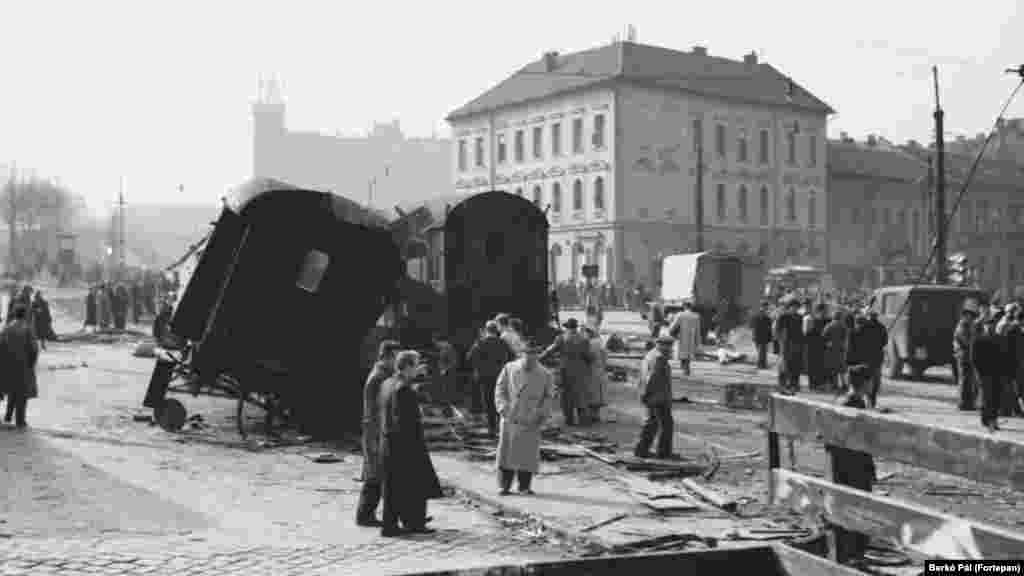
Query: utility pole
940	188
12	220
698	200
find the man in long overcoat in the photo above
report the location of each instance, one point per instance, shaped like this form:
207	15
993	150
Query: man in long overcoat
963	353
121	307
369	497
406	473
19	353
90	308
685	329
656	393
788	331
574	353
487	357
523	396
761	326
598	384
103	305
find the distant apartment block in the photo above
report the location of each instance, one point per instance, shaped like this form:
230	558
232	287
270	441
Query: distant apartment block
606	140
385	164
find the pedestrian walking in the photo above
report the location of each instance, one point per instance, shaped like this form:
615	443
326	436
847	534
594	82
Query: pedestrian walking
487	357
788	333
523	395
761	327
574	354
370	495
19	352
685	329
598	382
655	387
407	476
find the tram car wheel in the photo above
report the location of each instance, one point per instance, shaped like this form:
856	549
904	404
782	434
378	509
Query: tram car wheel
170	415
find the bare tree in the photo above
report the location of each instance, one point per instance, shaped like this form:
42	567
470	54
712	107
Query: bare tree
37	210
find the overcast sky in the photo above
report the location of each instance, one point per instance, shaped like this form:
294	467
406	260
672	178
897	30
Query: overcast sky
159	93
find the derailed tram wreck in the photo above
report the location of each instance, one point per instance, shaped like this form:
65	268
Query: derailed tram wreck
277	311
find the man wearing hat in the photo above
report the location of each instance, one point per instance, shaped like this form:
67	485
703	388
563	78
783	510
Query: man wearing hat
963	353
788	331
523	397
370	495
656	393
575	356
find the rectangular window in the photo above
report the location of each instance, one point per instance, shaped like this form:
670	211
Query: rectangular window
556	139
462	155
698	133
520	146
599	131
538	142
312	273
478	149
764	147
720	202
791	140
812	150
502	152
741	149
577	135
720	140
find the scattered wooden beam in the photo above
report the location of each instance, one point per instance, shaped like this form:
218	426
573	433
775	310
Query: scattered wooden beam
604	523
980	457
910	526
710	495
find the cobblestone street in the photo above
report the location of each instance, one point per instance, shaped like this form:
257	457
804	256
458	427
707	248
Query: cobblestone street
88	490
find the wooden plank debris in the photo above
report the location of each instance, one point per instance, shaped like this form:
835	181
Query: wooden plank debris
604	522
903	524
986	458
710	495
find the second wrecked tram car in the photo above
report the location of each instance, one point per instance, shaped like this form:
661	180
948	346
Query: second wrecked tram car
287	288
489	255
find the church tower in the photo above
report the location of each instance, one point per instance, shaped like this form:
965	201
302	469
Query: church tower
268	128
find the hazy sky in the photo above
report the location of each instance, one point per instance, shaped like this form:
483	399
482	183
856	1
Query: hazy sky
159	92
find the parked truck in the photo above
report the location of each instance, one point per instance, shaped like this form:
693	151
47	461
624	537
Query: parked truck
714	282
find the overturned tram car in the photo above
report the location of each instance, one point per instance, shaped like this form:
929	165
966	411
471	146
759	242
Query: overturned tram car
491	256
287	288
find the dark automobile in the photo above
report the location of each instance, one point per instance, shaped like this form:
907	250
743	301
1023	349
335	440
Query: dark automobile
921	320
285	292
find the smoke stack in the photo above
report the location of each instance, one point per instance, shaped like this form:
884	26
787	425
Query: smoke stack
550	61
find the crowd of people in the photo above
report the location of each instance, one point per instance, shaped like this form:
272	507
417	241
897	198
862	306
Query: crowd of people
111	304
988	347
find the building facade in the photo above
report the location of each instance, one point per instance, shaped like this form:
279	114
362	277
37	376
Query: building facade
607	140
384	168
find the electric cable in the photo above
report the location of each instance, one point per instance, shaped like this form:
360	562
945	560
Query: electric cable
963	192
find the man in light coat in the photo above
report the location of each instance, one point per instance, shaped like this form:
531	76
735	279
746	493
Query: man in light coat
685	329
523	396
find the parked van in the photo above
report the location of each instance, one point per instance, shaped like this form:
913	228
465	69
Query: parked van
920	320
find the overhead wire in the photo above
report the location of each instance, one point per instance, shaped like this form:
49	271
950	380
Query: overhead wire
948	218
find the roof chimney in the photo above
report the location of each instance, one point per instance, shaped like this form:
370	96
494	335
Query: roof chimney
872	140
844	137
550	61
700	51
750	59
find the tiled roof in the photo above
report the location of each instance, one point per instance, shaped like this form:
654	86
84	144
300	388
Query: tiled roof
853	158
641	63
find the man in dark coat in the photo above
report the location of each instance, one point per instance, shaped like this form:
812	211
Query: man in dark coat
136	293
656	393
121	307
369	497
407	475
872	339
814	346
19	353
90	308
990	362
761	326
852	468
788	333
43	319
576	357
487	357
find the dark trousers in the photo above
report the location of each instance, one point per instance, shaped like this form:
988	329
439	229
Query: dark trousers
968	386
570	411
874	383
16	405
990	396
789	380
659	421
506	476
369	498
762	355
409	509
485	388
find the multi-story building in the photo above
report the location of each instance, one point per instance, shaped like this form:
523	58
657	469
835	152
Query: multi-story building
384	168
607	141
882	221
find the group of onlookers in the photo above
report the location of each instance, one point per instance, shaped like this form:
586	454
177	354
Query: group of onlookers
28	325
111	304
988	347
